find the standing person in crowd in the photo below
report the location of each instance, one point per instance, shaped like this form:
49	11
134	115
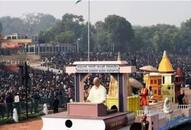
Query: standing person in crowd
9	103
17	103
181	97
144	95
69	93
35	101
2	107
55	104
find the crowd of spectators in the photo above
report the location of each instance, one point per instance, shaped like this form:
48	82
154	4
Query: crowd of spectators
43	87
139	59
46	85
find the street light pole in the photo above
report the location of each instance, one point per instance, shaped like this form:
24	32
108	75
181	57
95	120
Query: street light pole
26	77
26	86
77	46
88	27
88	30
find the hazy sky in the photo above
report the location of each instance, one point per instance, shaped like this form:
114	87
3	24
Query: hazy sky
136	12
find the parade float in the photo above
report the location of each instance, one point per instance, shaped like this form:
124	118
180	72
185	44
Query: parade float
81	115
131	114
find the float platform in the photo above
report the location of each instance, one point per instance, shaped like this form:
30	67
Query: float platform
81	117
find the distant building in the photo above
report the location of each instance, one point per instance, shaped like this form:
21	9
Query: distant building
51	48
10	44
15	40
15	36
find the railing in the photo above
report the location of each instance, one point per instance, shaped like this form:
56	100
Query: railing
183	106
149	112
139	113
34	107
6	110
168	120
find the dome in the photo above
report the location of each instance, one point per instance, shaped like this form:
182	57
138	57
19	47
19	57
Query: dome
165	64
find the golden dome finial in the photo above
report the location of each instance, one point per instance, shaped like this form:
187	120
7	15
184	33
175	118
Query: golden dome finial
164	54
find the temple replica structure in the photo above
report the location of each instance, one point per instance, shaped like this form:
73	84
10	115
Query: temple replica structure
162	81
167	77
164	113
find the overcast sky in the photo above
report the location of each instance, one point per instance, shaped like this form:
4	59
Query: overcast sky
136	12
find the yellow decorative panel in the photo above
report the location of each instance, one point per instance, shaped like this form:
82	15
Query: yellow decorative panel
111	101
133	103
168	91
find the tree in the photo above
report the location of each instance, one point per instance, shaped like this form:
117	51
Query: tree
30	24
84	38
120	31
1	28
65	37
35	23
67	30
143	37
12	25
102	38
184	40
158	37
165	37
0	33
47	37
73	23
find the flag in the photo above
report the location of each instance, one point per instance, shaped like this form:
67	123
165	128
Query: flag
78	1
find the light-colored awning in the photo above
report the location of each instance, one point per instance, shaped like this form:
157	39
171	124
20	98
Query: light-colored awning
148	68
135	83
